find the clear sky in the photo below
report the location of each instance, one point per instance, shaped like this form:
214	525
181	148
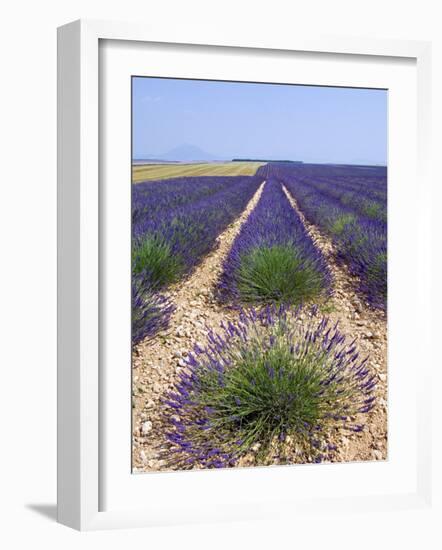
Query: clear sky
271	121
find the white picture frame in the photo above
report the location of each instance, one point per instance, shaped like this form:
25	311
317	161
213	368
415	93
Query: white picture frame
80	438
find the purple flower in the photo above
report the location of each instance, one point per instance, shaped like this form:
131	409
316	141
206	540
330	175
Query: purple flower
151	311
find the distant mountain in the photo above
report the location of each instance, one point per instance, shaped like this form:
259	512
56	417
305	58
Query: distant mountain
187	153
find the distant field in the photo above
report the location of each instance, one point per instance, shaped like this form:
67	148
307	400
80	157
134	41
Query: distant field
164	171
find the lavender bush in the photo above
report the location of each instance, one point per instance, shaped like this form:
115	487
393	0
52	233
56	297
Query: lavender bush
151	311
271	383
273	259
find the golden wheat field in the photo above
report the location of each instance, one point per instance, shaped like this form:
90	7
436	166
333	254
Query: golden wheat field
143	172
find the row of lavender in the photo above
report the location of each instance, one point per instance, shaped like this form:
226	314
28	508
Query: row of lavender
175	225
358	188
360	232
364	199
273	259
153	198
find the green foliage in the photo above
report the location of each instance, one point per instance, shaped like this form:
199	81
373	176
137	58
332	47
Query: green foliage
374	210
378	271
154	256
326	308
277	274
266	394
341	222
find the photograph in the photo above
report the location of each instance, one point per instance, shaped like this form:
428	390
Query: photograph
258	274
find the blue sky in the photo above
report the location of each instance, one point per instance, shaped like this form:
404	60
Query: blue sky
271	121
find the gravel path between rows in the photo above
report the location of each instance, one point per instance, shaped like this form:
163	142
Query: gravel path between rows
156	363
357	320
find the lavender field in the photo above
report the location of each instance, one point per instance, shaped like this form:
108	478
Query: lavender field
259	311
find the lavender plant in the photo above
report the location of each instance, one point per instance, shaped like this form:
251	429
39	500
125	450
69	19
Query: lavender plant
273	259
151	310
153	198
271	383
154	254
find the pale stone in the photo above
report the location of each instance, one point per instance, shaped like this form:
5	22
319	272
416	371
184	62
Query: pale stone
146	427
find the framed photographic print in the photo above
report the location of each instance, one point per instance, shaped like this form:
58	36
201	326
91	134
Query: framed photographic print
232	273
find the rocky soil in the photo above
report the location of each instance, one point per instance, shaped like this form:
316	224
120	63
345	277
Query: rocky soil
156	363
